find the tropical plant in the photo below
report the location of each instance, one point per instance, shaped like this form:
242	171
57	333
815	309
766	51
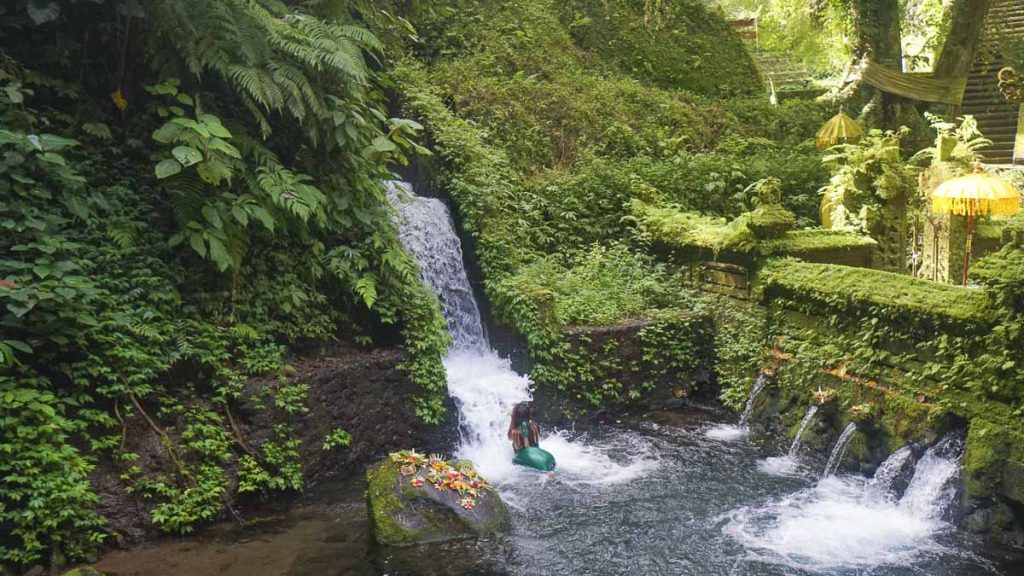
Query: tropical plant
864	174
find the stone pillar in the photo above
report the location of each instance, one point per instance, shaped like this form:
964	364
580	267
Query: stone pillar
942	240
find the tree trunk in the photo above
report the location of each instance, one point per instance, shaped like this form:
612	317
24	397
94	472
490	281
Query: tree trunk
876	34
876	30
966	26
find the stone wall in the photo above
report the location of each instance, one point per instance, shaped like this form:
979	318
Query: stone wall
900	389
655	361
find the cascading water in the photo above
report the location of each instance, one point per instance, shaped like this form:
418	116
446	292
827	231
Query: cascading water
482	383
839	450
849	522
729	432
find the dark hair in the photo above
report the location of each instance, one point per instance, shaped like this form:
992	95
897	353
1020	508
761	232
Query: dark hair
521	413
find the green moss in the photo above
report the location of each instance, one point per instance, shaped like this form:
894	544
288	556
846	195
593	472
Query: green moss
798	242
986	453
674	227
856	292
770	221
384	505
1003	267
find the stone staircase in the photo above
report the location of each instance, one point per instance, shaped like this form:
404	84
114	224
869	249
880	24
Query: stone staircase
786	72
997	118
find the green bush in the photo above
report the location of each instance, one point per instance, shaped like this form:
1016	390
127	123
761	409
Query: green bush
681	44
600	286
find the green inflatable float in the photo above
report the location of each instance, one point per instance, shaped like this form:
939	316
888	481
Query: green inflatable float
532	456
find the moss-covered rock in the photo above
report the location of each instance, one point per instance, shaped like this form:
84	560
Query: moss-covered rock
985	457
771	221
402	513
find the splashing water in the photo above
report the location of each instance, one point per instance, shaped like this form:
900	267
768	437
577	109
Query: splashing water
933	487
729	432
839	450
847	522
788	464
482	383
886	475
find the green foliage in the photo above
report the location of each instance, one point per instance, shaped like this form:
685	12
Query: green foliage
45	498
336	438
278	467
680	44
864	175
601	286
115	205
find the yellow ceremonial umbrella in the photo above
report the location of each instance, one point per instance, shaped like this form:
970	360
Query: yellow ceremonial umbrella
978	194
839	128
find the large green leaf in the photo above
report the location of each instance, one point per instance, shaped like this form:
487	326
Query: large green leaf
167	168
187	155
219	254
382	144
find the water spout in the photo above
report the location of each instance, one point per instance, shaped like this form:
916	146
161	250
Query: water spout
887	473
839	450
731	432
846	523
933	488
794	448
759	383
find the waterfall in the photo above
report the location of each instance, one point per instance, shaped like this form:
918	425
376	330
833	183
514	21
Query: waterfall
839	450
794	448
759	383
886	475
427	230
483	384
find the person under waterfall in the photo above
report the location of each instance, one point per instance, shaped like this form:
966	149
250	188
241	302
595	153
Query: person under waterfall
525	436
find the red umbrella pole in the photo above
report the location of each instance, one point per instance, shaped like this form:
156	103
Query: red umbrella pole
967	251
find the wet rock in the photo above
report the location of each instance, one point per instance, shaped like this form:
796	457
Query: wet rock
361	391
404	514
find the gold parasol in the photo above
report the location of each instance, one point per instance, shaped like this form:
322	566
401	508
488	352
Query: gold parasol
978	194
839	128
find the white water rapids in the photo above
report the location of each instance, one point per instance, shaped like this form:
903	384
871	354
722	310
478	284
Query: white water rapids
850	522
483	384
